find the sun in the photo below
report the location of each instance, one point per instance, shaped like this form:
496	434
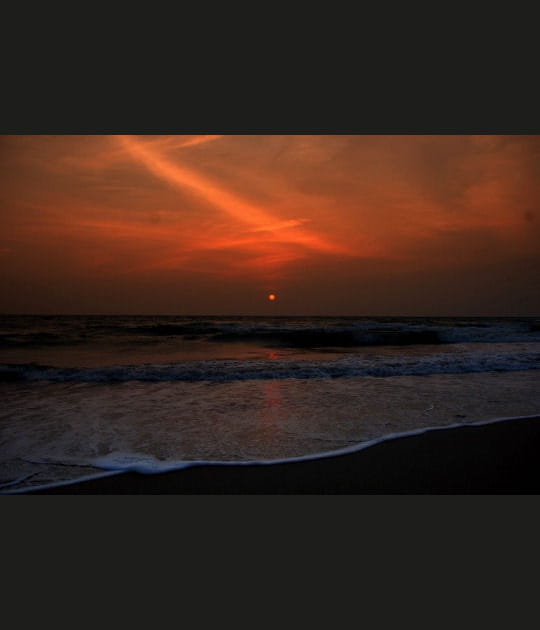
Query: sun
271	297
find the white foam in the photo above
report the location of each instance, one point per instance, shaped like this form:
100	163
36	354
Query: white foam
119	463
137	462
57	484
461	359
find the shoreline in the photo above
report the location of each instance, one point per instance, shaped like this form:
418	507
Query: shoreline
494	457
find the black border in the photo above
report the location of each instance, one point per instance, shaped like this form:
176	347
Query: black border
322	532
414	99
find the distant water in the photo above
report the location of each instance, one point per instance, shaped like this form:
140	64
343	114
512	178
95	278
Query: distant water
85	393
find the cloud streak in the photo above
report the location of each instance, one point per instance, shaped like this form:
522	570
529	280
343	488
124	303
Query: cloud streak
255	218
360	221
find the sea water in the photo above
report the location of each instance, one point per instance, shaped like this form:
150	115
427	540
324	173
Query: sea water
81	395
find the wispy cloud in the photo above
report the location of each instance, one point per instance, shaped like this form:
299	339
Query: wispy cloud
227	211
271	228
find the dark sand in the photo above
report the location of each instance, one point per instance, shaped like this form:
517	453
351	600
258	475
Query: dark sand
497	458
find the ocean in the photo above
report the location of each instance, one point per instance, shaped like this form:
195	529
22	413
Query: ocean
91	395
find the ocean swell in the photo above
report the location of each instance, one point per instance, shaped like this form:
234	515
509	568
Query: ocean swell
236	370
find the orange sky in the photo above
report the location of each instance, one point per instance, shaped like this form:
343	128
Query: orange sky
332	224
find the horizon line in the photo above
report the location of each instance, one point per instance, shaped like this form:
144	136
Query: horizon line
245	315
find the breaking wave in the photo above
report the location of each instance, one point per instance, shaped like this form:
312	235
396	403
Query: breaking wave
239	370
295	332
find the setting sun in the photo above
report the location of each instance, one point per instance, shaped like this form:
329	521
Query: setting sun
340	224
138	355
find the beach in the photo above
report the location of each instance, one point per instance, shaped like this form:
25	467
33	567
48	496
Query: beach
269	314
266	405
499	457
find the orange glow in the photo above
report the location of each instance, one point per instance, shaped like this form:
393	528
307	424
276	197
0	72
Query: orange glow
233	205
199	223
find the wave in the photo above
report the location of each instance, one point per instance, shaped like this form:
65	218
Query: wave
238	370
341	332
40	339
342	338
117	463
285	332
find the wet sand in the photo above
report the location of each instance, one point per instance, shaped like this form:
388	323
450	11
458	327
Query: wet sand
497	458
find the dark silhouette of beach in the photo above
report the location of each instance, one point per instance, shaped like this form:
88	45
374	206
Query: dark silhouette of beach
496	458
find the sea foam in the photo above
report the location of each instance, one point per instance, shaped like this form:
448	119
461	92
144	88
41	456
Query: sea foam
501	358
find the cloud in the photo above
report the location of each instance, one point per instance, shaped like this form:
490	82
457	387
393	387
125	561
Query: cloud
348	217
229	203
